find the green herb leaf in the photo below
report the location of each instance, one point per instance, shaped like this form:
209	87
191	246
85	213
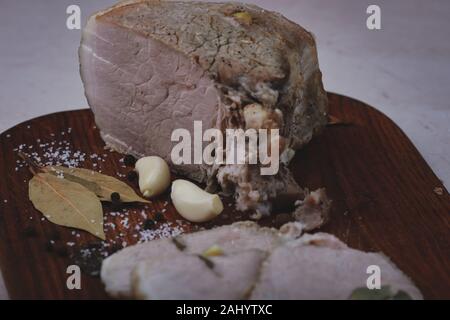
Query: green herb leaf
180	246
384	293
208	262
401	295
371	294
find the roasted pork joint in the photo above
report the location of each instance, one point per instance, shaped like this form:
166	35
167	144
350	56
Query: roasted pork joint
150	67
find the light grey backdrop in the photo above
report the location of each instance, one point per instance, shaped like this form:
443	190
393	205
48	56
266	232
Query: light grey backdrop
403	70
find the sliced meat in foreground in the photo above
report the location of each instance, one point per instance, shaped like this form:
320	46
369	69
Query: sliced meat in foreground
322	267
189	277
116	269
249	262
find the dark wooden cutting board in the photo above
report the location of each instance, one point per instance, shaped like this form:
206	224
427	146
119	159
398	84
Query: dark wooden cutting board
384	199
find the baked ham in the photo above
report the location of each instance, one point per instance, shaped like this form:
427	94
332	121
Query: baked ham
150	67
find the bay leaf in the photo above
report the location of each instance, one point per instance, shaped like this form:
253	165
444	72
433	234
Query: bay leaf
67	203
92	186
101	184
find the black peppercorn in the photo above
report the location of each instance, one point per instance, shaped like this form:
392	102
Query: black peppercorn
129	160
89	258
159	217
149	224
115	198
132	176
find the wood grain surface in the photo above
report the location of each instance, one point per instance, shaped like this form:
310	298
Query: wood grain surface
385	198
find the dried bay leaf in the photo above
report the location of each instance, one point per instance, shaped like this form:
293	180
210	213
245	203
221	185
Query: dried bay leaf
102	185
67	203
92	186
365	293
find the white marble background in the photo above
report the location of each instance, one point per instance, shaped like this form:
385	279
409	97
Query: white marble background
403	69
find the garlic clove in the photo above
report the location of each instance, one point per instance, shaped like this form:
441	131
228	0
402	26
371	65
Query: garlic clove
154	175
193	203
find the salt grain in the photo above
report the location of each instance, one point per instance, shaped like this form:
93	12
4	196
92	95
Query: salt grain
125	223
165	230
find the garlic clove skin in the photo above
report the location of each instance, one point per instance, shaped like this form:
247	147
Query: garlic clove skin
154	175
193	203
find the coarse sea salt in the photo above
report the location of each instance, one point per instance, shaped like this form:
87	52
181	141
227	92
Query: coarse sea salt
60	152
125	223
120	240
165	230
110	225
